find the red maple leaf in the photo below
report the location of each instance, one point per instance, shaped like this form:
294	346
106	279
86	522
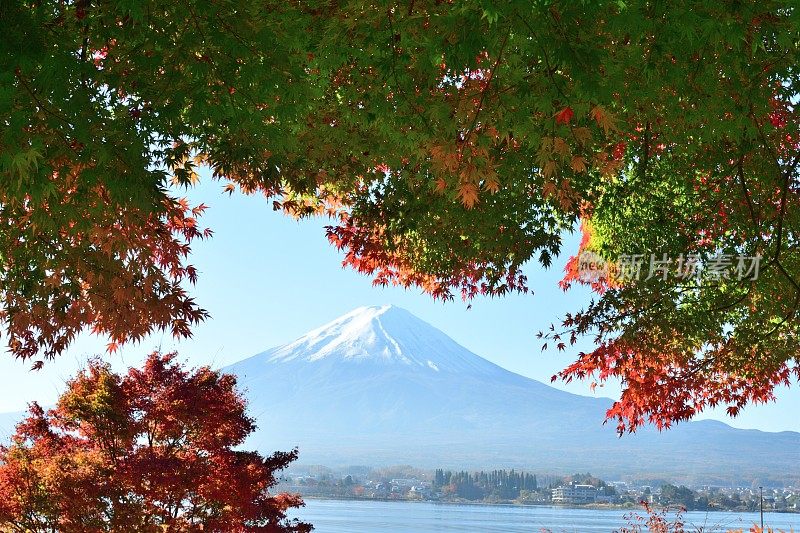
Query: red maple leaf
565	115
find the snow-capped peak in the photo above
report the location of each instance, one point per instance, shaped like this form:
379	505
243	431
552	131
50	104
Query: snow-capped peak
359	333
383	334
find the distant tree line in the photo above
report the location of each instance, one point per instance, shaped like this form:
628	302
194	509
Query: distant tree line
511	486
682	497
497	484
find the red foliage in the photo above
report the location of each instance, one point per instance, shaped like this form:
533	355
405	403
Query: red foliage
565	115
662	387
154	450
123	277
660	521
367	253
654	521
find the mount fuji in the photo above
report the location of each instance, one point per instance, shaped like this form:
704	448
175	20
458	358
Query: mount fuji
379	386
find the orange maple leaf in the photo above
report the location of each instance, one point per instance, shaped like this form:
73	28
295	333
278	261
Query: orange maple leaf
603	118
560	147
468	192
491	184
578	164
549	168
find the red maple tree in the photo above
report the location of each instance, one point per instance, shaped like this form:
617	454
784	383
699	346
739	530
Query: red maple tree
157	449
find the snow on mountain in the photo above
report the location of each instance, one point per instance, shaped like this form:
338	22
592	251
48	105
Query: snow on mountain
383	335
380	386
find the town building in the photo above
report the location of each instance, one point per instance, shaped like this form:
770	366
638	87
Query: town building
575	494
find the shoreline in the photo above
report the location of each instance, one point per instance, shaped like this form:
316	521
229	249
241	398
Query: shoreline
590	507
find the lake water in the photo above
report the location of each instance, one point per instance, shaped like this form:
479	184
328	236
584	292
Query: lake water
333	516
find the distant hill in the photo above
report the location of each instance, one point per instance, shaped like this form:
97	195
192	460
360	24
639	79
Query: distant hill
380	386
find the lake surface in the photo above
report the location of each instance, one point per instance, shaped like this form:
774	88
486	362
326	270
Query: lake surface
333	516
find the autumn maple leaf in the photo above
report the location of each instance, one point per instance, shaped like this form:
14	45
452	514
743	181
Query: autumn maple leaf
603	118
565	115
578	164
468	193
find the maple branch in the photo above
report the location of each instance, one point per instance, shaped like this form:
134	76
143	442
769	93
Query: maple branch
43	107
239	38
792	312
748	199
787	275
583	327
646	150
487	85
555	21
399	87
53	114
548	69
242	91
84	48
787	175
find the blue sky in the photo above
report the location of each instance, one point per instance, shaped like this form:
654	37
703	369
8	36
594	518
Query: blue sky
267	279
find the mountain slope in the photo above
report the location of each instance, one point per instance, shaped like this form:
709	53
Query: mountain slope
380	386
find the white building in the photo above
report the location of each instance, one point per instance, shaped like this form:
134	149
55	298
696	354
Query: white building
575	494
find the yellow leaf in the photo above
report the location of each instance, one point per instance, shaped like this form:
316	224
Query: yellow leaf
491	184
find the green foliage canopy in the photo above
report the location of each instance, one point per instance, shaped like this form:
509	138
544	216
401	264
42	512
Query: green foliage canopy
452	142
